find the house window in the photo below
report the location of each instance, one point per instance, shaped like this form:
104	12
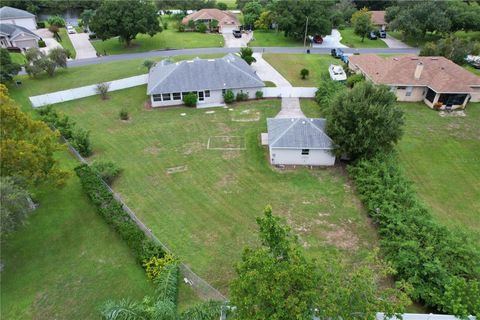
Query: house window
305	152
207	93
408	93
401	88
157	97
166	97
177	96
200	96
223	92
430	96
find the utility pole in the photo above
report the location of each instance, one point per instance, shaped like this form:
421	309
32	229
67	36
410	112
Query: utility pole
305	38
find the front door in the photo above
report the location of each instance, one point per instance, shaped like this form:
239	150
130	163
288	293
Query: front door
201	96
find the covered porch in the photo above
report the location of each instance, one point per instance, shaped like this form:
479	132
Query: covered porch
442	100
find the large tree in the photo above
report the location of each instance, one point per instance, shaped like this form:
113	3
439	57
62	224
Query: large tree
452	48
363	24
292	17
8	69
125	19
27	146
276	281
364	121
464	15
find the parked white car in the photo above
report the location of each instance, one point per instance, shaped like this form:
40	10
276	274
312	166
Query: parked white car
71	29
337	73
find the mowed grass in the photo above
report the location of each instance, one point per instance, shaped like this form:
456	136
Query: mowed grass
273	39
442	157
289	65
203	203
18	58
67	43
350	39
66	261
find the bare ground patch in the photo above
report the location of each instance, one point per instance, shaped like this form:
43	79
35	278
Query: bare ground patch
193	147
231	154
177	169
153	150
226	143
247	115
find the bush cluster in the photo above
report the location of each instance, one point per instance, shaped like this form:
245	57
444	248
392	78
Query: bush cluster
242	96
41	44
155	265
259	94
443	266
124	114
229	96
78	137
112	211
353	79
107	170
190	99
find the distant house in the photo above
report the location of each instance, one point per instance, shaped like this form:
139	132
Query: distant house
227	21
169	82
18	17
378	19
299	141
437	81
14	36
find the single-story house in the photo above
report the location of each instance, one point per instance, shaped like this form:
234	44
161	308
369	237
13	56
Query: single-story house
378	19
299	141
227	21
437	81
17	37
18	17
169	82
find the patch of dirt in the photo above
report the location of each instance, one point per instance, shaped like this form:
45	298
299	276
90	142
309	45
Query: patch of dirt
459	113
227	181
152	150
247	115
223	128
230	154
342	238
147	105
129	120
112	130
176	169
193	147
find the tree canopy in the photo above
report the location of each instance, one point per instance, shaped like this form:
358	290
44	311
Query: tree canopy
452	48
362	24
125	19
8	68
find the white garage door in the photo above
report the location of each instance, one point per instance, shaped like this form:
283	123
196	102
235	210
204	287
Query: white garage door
228	29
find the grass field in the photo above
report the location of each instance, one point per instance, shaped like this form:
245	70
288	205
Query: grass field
203	203
350	39
472	69
273	39
289	65
441	155
18	58
66	261
66	43
419	42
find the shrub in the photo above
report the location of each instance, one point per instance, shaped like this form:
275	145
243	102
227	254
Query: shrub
181	27
228	97
165	25
92	36
148	64
202	27
41	25
222	6
327	91
41	44
102	89
124	114
81	142
353	79
107	170
304	73
259	94
53	29
155	265
190	99
242	96
56	21
247	55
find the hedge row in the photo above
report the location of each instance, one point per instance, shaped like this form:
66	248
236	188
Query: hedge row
112	211
443	266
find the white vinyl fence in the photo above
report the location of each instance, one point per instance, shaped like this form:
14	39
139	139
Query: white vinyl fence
289	92
87	91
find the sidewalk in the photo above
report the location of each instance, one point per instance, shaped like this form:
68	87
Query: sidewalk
82	46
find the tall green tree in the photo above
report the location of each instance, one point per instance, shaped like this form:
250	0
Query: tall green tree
247	55
8	68
251	13
365	121
363	25
87	16
452	48
125	19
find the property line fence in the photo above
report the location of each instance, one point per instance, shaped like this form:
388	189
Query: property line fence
200	286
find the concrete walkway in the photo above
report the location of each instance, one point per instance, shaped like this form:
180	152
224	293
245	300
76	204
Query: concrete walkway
50	41
394	43
331	41
290	106
82	46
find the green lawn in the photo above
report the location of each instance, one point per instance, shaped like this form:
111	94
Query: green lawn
203	203
289	65
167	39
441	155
273	39
472	69
311	109
414	41
350	39
18	58
66	261
269	84
66	43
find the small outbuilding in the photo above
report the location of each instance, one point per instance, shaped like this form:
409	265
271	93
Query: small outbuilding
18	17
299	141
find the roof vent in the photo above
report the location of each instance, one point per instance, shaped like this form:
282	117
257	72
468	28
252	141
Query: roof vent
190	61
303	122
434	58
413	58
292	119
396	59
211	59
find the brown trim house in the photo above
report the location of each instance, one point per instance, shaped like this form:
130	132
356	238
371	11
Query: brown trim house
378	18
226	20
437	81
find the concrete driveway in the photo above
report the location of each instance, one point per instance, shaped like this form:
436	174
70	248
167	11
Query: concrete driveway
82	46
394	43
232	42
331	41
50	41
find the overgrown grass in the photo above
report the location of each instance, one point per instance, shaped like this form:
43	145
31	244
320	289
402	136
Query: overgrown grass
311	109
414	41
18	58
350	39
441	156
203	203
472	69
66	261
273	39
289	65
66	43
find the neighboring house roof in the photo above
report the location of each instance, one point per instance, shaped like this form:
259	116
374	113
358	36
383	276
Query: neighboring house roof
14	13
438	73
378	17
223	17
229	72
299	133
12	31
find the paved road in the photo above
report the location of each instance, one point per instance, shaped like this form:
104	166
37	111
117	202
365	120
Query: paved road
394	43
176	52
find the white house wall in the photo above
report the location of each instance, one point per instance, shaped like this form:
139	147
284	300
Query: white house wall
28	23
25	43
294	157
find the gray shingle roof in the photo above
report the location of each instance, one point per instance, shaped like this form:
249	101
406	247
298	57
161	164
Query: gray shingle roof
13	30
9	13
229	72
299	133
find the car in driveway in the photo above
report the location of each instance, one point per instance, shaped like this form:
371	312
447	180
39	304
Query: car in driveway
382	33
372	35
237	33
336	53
71	29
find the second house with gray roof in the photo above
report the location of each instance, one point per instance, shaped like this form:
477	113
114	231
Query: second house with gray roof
209	79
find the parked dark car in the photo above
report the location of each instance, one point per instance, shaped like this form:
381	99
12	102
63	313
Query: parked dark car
382	33
317	39
372	35
336	53
237	33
